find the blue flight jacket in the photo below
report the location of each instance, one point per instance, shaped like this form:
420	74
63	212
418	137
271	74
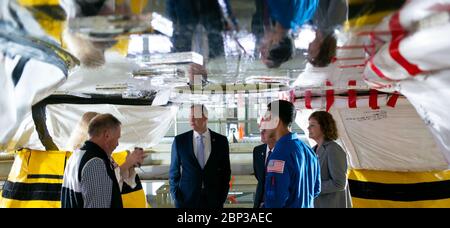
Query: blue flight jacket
292	14
292	175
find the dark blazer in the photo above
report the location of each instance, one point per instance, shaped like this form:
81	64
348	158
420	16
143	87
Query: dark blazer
259	168
186	178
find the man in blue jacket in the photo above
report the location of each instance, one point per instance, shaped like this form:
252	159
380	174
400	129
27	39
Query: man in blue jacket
293	171
200	165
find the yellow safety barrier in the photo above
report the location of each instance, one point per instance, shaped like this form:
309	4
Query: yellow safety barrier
35	179
387	189
51	17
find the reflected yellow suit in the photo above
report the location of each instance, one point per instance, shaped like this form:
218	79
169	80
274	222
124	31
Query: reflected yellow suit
366	12
52	18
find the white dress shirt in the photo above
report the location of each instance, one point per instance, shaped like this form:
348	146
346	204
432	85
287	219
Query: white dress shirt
267	154
206	143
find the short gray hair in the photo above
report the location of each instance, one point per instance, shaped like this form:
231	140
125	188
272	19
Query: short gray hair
101	123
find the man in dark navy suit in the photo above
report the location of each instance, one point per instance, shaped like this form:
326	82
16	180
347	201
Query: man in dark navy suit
260	154
200	165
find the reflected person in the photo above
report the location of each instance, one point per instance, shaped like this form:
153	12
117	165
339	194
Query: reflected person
278	18
329	16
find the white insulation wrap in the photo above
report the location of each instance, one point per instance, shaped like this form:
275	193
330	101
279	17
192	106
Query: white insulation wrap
142	126
114	72
394	139
37	81
339	80
416	10
431	98
426	49
382	71
419	44
411	12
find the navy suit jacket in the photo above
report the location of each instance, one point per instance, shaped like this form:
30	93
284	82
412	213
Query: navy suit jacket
259	167
192	187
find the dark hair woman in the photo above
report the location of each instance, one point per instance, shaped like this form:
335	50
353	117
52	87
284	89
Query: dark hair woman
333	162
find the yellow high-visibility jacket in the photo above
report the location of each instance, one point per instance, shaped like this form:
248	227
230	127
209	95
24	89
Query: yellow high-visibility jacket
36	178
